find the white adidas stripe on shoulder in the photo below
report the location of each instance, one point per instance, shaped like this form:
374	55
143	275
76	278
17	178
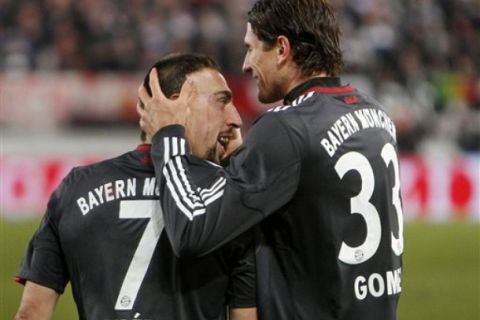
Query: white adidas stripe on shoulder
217	185
189	202
173	146
214	197
175	197
183	187
295	103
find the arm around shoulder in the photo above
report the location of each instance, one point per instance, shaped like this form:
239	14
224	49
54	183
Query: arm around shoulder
38	302
261	177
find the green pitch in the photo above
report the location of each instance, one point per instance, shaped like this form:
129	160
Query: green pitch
441	273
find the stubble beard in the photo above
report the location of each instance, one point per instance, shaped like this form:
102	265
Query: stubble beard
211	155
270	94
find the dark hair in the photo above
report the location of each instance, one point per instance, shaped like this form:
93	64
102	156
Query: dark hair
172	71
309	25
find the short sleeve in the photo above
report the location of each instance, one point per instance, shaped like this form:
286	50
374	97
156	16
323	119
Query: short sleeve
43	262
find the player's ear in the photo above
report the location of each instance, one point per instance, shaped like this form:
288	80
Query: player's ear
283	49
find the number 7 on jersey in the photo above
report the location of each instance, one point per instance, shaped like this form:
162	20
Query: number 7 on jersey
139	209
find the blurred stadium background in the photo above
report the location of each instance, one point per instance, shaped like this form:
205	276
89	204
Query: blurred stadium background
69	71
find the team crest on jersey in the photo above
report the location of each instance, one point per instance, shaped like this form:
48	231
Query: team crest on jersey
294	104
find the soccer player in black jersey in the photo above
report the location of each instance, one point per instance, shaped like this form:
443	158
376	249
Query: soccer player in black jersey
103	232
318	176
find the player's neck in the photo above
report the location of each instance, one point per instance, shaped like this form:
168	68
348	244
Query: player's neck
300	78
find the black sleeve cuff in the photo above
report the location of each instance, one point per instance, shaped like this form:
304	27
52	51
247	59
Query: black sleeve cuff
174	130
23	278
167	143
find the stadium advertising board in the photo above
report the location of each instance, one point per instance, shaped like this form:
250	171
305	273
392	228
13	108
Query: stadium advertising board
439	190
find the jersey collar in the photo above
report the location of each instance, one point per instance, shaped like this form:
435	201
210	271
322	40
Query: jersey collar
317	84
144	147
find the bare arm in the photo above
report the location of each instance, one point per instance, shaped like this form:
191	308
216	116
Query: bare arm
243	314
38	302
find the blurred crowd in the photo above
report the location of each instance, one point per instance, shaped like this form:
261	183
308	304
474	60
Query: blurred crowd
420	58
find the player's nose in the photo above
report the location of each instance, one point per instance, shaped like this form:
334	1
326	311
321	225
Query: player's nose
246	65
233	118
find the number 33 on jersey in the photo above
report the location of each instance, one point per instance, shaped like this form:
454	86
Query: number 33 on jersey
361	204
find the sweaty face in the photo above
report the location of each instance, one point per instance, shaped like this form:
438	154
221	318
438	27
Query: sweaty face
213	115
261	62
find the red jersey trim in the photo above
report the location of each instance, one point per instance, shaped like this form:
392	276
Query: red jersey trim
20	280
330	89
144	147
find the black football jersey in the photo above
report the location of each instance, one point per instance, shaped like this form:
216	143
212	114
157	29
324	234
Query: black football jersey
319	177
103	232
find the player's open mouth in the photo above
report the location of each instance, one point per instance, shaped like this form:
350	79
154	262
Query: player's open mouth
223	140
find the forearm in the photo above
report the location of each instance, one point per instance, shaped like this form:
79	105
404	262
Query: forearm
254	185
197	220
38	303
243	314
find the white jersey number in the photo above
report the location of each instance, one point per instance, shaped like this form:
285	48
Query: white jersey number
139	209
361	204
